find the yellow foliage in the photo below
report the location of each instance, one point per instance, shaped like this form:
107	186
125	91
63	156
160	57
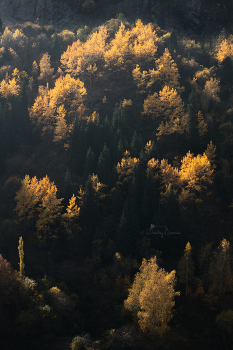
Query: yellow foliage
151	297
140	78
125	167
225	50
46	71
144	41
80	55
72	213
67	92
168	106
94	118
166	73
196	173
61	129
10	87
126	103
153	163
37	200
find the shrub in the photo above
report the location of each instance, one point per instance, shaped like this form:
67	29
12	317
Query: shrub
79	343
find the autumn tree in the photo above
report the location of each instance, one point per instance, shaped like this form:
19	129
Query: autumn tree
165	73
168	107
61	129
79	56
46	71
225	50
151	297
10	86
125	167
21	258
37	200
55	108
196	174
144	42
72	213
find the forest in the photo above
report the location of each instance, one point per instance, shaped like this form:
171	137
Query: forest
116	207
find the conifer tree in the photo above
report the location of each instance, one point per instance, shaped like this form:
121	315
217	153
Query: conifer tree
89	166
220	272
186	267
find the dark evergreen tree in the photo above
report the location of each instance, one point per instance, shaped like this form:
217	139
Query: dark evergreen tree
136	145
123	239
104	166
56	48
78	148
192	109
90	163
68	186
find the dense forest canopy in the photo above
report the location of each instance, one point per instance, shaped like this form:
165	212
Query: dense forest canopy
116	175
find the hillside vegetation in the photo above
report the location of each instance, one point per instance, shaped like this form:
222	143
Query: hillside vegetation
116	166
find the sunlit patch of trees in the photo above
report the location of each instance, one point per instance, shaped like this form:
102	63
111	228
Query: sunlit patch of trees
126	133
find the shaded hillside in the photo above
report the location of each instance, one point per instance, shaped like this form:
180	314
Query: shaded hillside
187	17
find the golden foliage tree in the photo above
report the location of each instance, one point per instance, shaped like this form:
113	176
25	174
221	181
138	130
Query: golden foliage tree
10	86
61	129
72	213
152	297
196	175
169	107
225	50
79	56
165	74
47	111
46	71
37	200
125	167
